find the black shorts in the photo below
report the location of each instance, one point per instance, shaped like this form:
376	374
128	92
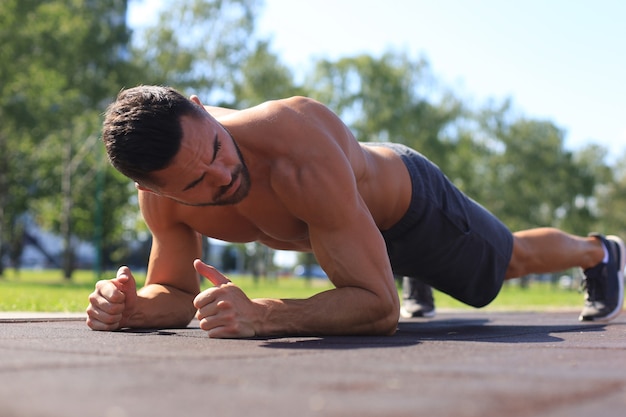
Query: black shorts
447	239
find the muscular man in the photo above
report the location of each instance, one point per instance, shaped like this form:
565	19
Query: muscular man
291	175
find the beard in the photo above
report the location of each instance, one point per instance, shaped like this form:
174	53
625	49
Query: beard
241	172
221	197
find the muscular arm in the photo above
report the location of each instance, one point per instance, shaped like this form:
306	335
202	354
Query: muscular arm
310	179
320	189
166	300
363	302
351	250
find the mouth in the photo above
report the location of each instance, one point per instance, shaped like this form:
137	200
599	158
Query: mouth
231	188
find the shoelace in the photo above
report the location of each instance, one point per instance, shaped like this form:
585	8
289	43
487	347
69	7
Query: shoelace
592	285
585	286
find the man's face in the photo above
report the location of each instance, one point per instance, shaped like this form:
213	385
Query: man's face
208	169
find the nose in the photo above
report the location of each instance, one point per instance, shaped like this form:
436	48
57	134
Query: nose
219	176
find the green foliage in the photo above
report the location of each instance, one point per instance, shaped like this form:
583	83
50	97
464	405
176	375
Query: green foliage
199	46
532	180
390	98
264	78
60	58
60	61
609	201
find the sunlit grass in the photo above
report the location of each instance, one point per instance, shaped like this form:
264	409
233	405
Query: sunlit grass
539	296
47	291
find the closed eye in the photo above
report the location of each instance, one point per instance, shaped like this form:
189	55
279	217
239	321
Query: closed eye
217	145
194	182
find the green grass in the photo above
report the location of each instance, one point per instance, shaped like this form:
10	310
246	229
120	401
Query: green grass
46	291
539	296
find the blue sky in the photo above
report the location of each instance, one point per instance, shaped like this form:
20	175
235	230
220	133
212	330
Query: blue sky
559	60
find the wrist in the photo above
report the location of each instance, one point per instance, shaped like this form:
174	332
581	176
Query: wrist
270	319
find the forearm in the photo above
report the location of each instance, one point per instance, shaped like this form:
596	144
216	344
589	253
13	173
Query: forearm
161	306
341	311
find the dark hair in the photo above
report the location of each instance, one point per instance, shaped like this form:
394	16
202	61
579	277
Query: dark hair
142	131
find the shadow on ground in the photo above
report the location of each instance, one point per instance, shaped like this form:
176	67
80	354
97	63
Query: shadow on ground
414	332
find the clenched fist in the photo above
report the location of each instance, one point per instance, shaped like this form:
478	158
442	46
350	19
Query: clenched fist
224	310
113	301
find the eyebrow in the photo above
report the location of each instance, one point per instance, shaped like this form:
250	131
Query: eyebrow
216	147
199	180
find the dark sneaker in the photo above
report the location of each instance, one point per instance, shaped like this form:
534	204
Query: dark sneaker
417	299
604	284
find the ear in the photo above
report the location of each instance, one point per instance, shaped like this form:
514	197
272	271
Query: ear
196	100
143	188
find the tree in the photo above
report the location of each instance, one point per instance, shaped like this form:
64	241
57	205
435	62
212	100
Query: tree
199	46
60	61
609	200
390	98
4	193
264	78
532	179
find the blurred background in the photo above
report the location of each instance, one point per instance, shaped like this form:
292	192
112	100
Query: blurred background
522	104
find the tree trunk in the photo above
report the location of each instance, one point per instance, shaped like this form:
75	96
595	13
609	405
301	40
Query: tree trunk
66	215
4	167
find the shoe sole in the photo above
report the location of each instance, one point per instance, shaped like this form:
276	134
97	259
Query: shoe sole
620	276
405	314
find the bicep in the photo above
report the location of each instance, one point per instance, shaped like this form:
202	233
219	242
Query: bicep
319	187
353	252
342	232
174	248
171	260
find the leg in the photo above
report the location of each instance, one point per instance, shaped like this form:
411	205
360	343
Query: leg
417	299
602	259
551	250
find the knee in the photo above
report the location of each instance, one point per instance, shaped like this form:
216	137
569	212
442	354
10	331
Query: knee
519	259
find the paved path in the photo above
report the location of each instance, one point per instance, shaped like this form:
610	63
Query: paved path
458	364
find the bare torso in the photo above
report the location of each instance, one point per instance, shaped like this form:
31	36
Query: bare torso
281	142
312	187
289	174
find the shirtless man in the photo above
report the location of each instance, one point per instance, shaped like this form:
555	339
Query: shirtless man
291	175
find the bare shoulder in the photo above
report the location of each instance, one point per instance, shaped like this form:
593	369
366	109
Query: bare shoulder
298	107
219	112
282	116
315	158
304	121
298	103
159	213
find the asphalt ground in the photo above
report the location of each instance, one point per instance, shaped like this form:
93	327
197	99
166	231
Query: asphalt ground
457	364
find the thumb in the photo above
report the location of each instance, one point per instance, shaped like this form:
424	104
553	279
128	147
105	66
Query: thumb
210	273
124	280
